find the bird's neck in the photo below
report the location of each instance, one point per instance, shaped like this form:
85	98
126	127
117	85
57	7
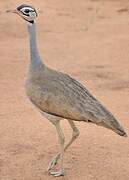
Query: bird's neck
34	53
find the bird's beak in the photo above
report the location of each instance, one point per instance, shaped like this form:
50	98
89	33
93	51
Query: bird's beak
12	11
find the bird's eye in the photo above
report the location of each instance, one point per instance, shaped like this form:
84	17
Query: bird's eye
26	10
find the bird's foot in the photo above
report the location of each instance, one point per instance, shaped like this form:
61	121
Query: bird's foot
53	162
57	173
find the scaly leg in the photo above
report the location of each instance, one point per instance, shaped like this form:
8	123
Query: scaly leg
61	142
74	136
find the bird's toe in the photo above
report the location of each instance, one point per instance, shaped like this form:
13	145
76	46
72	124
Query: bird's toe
53	162
57	173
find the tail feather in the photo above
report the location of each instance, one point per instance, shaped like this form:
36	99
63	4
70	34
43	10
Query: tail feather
121	132
115	126
109	122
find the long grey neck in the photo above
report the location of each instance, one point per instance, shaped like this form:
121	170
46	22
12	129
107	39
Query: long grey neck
34	53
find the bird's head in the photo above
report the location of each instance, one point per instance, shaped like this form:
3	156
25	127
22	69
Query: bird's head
27	12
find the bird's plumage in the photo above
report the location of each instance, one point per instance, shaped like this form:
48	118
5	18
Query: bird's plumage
59	96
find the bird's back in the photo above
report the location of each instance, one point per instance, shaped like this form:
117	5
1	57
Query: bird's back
58	94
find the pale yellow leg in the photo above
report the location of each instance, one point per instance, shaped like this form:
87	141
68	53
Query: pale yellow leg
74	136
61	142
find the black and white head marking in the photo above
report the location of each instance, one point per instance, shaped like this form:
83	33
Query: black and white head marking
27	12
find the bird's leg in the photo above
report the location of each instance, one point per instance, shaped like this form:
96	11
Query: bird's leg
74	136
61	142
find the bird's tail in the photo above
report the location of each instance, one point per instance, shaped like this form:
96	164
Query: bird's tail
121	132
114	125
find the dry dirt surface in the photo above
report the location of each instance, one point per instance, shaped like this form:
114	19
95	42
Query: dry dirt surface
88	39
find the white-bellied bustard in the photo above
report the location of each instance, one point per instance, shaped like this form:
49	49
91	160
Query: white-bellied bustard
58	96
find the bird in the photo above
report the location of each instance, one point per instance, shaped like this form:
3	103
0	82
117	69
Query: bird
59	97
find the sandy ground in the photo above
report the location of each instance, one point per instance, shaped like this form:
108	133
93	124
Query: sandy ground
99	58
